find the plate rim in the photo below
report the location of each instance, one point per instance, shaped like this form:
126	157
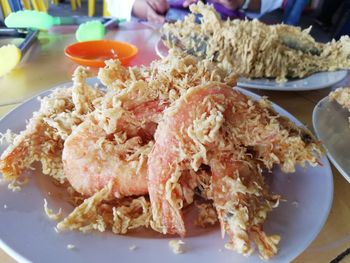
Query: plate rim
280	110
343	72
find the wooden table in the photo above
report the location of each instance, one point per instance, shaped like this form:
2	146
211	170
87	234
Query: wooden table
45	66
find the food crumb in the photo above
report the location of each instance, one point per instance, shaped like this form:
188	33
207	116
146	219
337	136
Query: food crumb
220	250
7	137
70	246
295	204
49	212
133	247
177	246
56	229
5	206
13	187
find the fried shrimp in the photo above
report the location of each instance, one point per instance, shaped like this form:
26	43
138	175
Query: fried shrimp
138	97
43	138
92	158
219	127
173	130
169	159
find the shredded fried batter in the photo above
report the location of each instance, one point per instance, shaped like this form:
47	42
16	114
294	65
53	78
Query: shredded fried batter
206	215
134	155
49	212
136	214
85	217
342	96
253	49
177	246
43	138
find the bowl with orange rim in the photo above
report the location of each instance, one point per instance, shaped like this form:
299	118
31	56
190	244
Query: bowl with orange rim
94	53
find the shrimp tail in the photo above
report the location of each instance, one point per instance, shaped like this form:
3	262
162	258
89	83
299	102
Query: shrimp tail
165	194
242	201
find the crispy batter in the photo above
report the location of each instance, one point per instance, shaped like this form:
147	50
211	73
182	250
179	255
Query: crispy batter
177	246
206	215
342	96
210	140
136	214
95	213
163	82
43	138
253	49
49	212
85	217
236	137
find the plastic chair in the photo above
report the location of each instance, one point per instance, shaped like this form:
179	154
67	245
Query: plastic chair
5	6
9	6
105	9
73	5
40	5
26	4
92	5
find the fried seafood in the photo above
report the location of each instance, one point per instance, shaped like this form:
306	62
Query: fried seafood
253	49
43	138
135	154
341	96
92	157
115	139
216	126
119	215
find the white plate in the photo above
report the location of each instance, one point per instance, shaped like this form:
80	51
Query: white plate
28	235
332	127
315	81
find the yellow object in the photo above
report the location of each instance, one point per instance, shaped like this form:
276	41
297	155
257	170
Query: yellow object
12	55
79	3
5	7
105	9
55	2
91	7
73	5
39	5
26	4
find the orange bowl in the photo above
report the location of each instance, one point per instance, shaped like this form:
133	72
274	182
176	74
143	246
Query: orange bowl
94	53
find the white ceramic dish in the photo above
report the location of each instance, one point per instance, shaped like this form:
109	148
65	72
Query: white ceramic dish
28	235
315	81
331	125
